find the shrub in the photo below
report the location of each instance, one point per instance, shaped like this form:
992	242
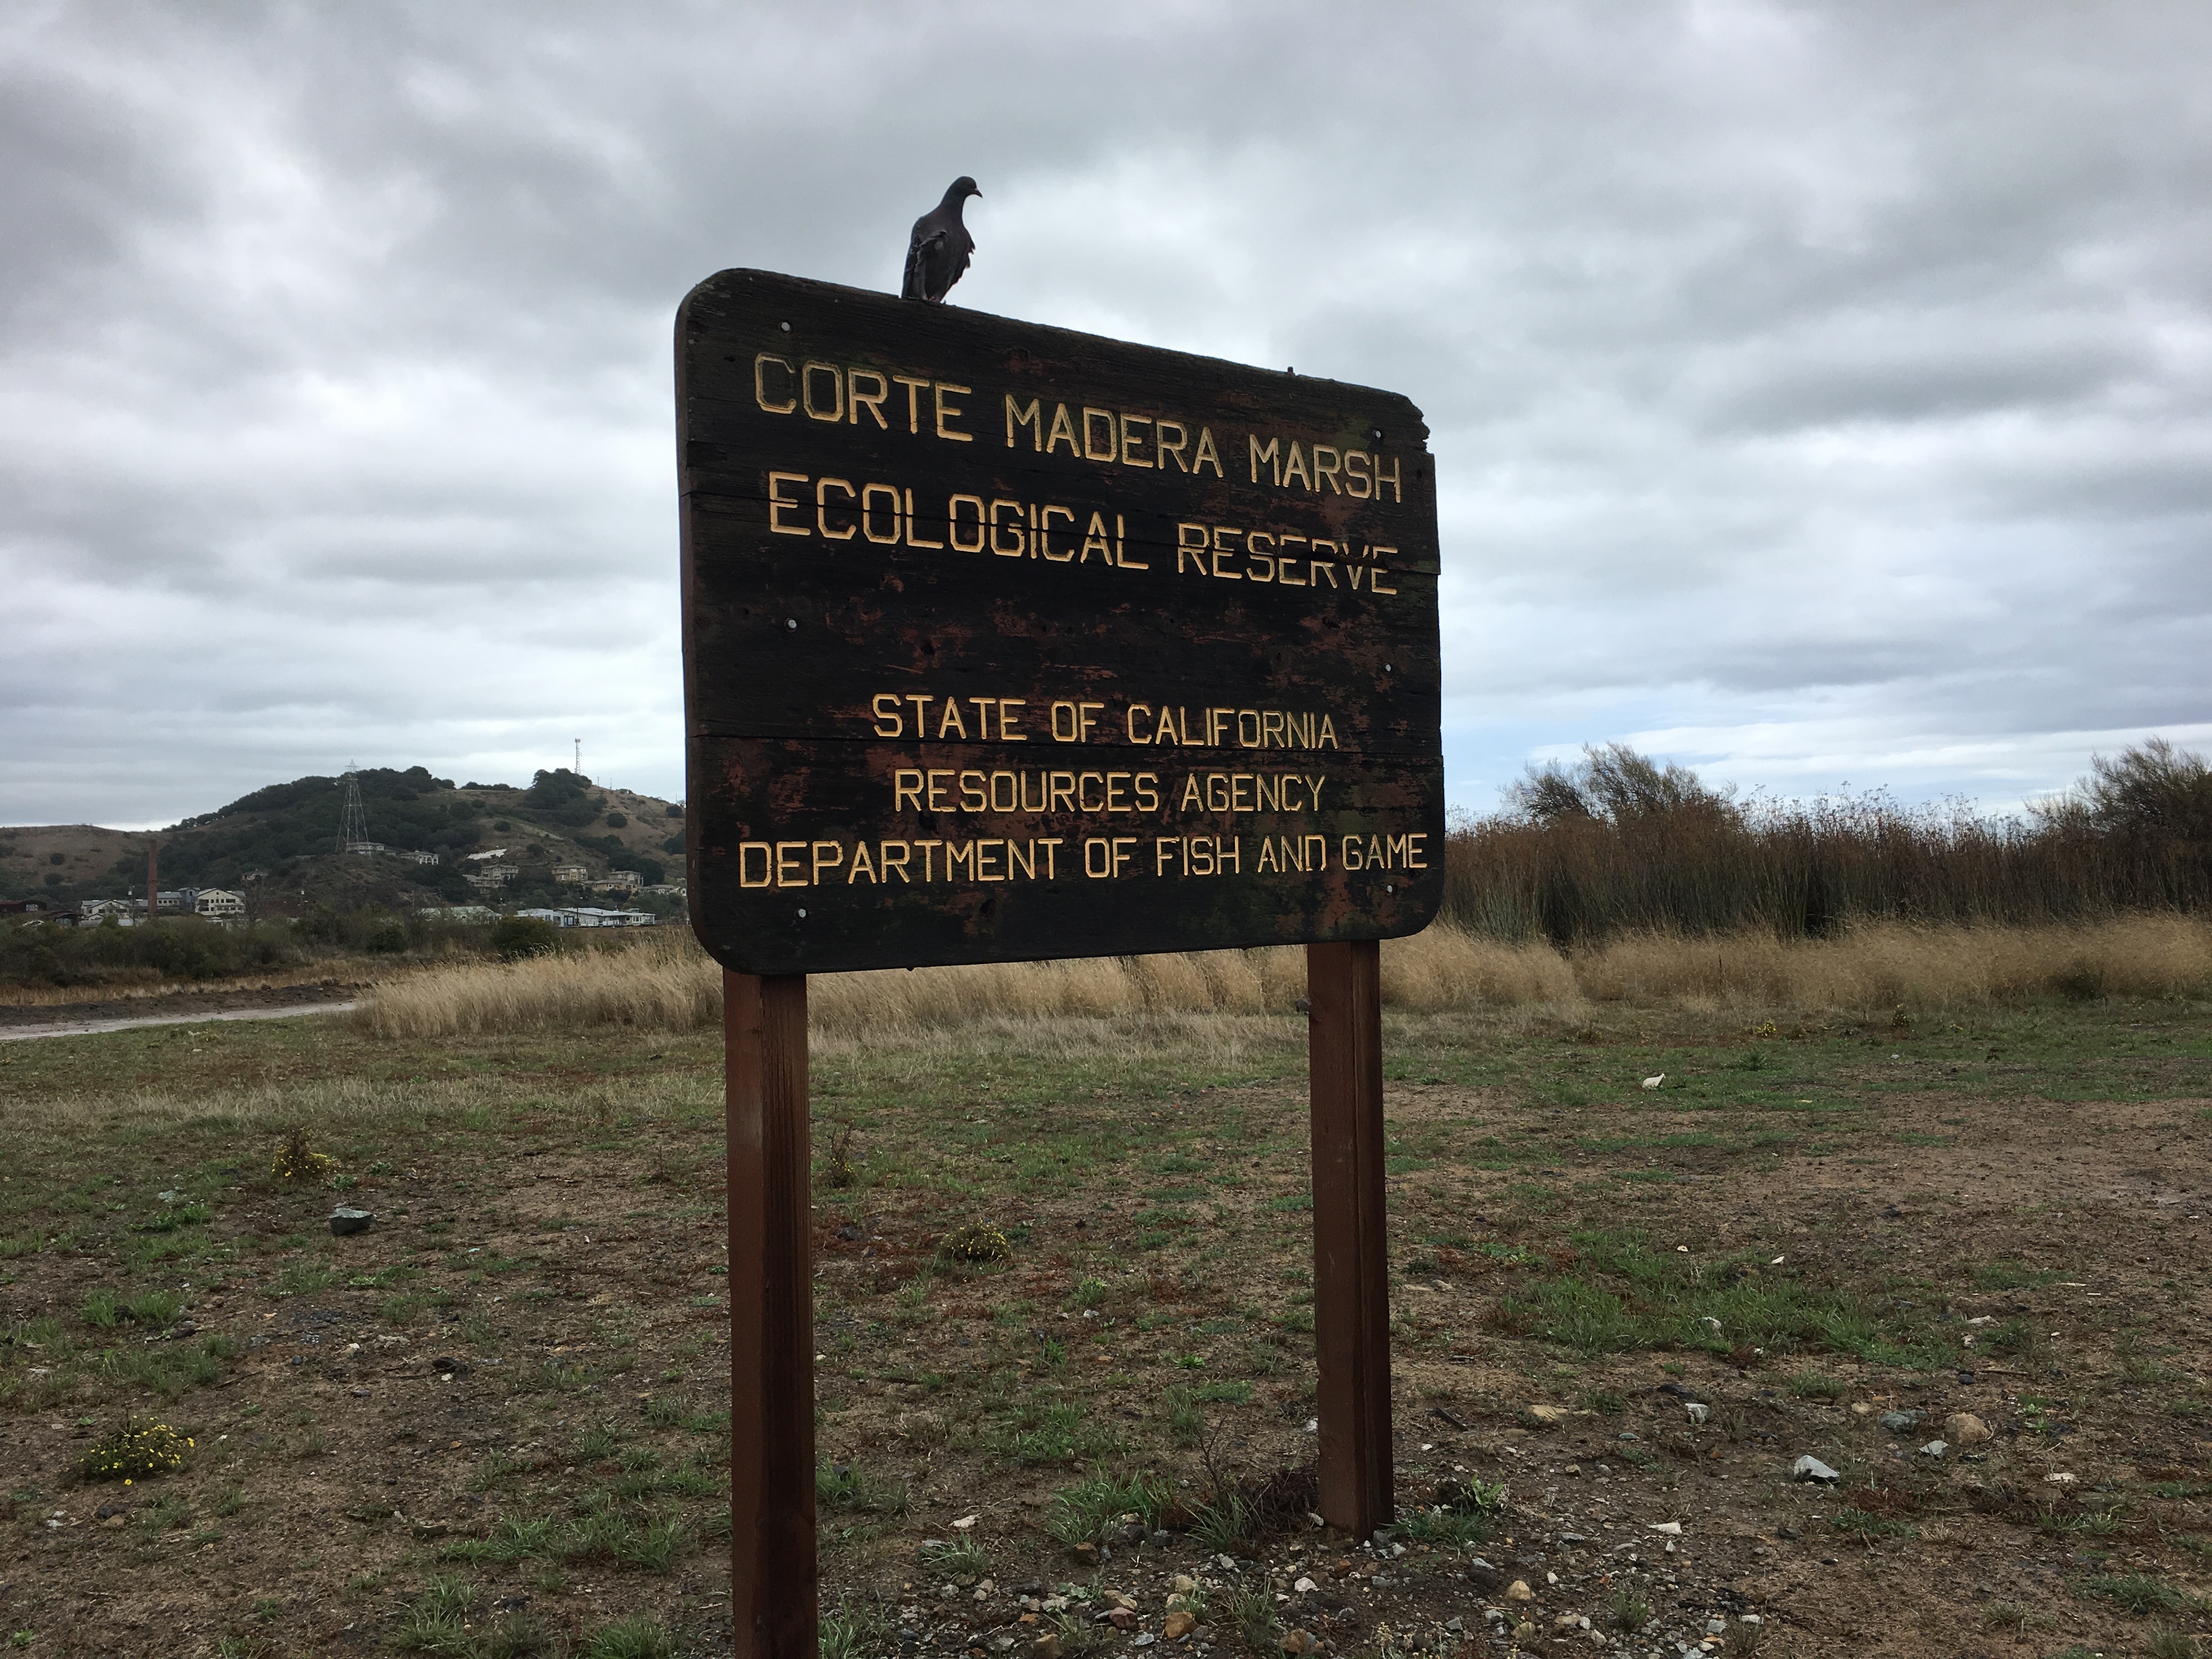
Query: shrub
136	1452
516	936
977	1241
617	821
294	1160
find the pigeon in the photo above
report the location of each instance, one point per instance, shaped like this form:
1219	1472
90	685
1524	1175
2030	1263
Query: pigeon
939	251
1654	1082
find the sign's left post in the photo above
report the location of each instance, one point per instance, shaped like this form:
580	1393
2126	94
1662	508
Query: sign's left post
774	1605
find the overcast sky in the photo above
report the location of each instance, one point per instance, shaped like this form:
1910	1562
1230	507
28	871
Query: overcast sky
1822	394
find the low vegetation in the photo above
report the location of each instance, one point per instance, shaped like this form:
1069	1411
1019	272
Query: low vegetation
503	1407
665	982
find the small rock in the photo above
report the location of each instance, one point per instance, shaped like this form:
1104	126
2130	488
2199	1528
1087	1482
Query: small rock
346	1219
1086	1552
1671	1528
1518	1590
1699	1410
1160	1540
1144	1641
966	1522
1304	1587
1122	1619
2061	1479
1901	1422
1298	1640
1184	1583
1964	1429
1861	1408
1524	1632
1045	1647
1548	1414
1934	1448
1809	1468
1179	1624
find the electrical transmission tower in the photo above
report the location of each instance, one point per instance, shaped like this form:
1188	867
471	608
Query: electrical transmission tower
353	821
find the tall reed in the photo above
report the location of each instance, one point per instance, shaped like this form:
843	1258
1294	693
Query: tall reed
1800	870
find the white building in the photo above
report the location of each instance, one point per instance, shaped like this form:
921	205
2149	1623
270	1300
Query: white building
213	901
497	876
588	915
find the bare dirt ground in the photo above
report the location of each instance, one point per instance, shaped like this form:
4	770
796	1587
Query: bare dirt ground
496	1422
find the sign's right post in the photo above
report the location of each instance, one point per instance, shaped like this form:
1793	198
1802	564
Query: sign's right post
1352	1262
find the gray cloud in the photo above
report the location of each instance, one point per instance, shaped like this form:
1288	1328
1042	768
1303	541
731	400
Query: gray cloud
1813	385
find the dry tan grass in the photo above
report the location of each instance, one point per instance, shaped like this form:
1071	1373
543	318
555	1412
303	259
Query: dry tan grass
1888	963
666	983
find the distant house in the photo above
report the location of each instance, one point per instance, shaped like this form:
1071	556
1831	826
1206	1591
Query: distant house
19	907
170	899
665	888
415	858
213	901
586	915
498	875
575	872
123	910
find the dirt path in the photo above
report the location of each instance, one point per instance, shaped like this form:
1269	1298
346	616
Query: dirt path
90	1027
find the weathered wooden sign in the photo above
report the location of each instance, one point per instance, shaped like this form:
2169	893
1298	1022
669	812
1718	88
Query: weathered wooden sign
1002	641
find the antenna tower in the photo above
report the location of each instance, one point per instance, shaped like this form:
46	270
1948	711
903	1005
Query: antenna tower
353	821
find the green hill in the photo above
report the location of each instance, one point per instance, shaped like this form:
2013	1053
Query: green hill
279	844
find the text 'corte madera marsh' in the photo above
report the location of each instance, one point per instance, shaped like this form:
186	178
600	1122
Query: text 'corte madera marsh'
840	394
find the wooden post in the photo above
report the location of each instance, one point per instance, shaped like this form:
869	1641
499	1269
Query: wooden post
1351	1265
773	1603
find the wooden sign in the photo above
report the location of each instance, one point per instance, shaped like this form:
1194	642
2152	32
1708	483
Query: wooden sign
1003	643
